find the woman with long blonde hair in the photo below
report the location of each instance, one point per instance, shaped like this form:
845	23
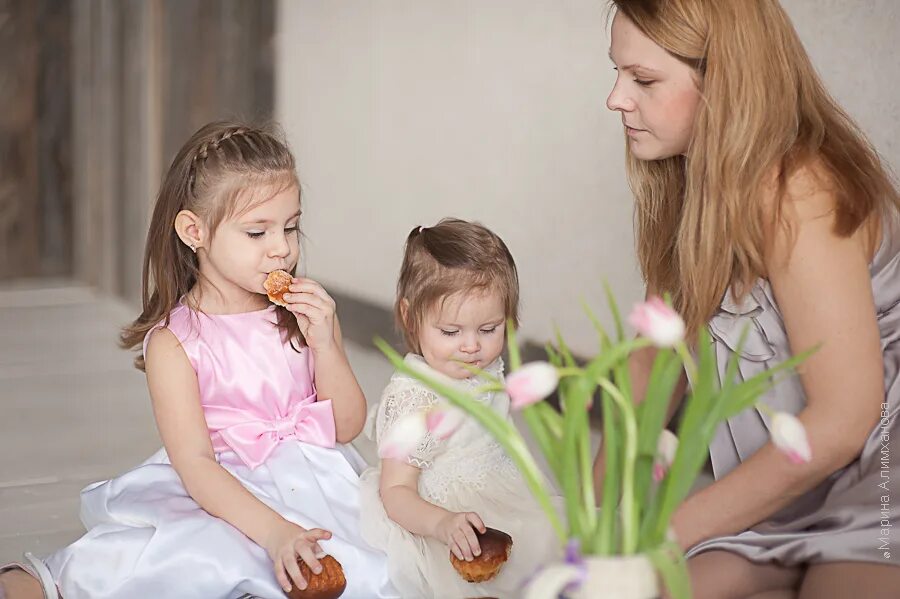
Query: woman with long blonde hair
760	206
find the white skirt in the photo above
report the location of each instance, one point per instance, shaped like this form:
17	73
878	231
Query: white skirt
420	566
146	537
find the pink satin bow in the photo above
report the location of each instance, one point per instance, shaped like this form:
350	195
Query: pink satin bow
254	438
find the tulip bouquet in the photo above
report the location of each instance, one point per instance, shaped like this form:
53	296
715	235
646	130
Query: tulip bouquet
648	470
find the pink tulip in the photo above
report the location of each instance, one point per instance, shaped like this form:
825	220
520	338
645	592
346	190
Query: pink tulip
789	436
658	322
666	447
443	420
531	383
403	437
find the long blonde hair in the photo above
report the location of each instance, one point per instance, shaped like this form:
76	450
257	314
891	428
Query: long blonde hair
214	168
700	218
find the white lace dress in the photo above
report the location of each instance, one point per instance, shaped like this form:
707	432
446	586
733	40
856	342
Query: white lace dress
467	472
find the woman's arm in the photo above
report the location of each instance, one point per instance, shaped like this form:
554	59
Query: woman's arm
176	405
403	504
822	285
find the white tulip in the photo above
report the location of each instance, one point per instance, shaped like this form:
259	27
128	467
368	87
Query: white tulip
403	437
531	383
789	436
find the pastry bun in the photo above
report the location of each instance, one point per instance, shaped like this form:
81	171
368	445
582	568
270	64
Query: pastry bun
276	285
495	546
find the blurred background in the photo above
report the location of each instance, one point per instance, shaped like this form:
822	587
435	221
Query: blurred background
400	112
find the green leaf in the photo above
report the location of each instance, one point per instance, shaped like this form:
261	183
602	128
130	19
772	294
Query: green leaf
603	362
584	390
574	400
666	371
669	561
612	475
728	383
553	356
481	389
614	308
544	438
586	461
694	438
484	374
664	375
568	359
601	331
515	359
553	420
628	507
745	394
623	382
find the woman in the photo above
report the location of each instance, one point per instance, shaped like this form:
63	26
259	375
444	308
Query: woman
759	202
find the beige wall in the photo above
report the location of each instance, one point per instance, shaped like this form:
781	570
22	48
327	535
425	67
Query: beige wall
402	112
855	46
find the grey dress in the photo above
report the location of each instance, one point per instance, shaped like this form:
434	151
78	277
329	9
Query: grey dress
854	515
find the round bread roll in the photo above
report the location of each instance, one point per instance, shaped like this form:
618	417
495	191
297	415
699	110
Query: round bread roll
329	584
276	285
496	546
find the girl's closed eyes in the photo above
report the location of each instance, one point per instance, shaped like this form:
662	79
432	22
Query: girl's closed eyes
259	234
451	333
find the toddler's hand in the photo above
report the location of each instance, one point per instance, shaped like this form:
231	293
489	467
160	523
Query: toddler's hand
457	530
287	541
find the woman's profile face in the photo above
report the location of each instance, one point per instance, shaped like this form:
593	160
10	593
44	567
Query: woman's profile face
655	92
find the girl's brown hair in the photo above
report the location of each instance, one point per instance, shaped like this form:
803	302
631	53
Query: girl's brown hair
764	116
454	256
219	165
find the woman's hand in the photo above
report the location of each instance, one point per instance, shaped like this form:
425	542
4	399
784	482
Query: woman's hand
314	310
457	530
287	541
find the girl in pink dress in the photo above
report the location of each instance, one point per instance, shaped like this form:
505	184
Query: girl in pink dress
252	402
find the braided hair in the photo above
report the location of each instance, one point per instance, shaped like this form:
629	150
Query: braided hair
212	171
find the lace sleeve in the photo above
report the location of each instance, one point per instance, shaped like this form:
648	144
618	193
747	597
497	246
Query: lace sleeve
401	398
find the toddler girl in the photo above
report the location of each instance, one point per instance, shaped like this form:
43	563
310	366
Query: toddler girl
458	286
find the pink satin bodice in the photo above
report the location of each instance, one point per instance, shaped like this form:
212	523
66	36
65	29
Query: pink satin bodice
256	390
